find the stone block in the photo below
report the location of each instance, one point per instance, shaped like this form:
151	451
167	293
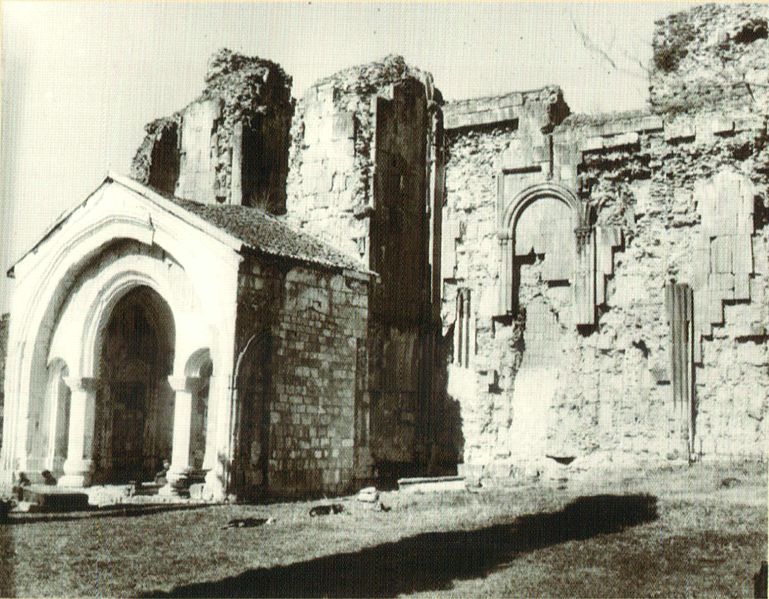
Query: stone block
343	126
700	266
458	120
624	139
567	173
432	484
540	154
517	157
721	257
680	131
745	223
592	144
756	290
715	309
761	261
742	254
55	499
641	191
750	123
751	352
566	153
649	123
721	126
741	287
721	282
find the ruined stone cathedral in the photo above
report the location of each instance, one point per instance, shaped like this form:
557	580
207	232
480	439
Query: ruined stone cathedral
290	297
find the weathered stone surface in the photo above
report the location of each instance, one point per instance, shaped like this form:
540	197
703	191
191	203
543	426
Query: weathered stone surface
691	46
678	198
300	380
231	144
517	317
359	179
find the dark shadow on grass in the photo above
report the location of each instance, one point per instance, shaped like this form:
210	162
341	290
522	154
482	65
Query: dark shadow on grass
122	511
7	552
430	561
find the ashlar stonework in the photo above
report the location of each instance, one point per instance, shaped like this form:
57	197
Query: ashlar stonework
302	296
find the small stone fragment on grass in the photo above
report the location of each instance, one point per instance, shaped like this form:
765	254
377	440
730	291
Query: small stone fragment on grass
325	510
247	522
368	495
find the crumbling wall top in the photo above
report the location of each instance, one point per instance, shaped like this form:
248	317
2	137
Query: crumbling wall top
372	77
714	56
546	105
245	80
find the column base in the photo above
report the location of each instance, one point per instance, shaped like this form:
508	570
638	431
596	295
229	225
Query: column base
77	474
178	483
170	490
214	486
74	480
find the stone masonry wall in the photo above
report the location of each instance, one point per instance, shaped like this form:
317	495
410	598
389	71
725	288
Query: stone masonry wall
359	179
652	185
333	153
714	55
303	379
231	144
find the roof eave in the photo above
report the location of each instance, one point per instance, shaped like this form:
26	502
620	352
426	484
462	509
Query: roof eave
347	269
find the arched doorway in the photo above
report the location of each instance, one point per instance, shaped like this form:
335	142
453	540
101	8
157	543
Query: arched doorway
540	272
136	356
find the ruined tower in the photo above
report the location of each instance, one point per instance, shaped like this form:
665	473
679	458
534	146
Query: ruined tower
366	176
230	146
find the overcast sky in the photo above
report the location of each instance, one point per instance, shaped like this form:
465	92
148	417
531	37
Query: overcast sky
80	80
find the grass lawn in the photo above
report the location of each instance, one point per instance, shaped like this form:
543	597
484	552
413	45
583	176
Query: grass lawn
675	532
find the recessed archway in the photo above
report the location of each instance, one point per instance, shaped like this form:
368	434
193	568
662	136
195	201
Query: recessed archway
135	404
539	270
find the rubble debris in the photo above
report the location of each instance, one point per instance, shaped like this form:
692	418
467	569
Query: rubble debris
368	495
247	522
325	510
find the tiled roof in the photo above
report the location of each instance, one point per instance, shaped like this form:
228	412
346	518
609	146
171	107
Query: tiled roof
267	234
254	228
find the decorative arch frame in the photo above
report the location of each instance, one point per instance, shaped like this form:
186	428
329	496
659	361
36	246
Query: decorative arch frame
525	198
100	310
49	272
199	364
583	240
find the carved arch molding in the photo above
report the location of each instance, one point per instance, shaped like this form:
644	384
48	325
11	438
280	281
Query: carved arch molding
550	219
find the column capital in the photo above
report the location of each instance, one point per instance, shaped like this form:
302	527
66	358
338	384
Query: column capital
187	383
178	383
583	233
77	383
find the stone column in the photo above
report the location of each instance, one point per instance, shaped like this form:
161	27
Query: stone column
506	277
584	277
78	466
179	471
219	443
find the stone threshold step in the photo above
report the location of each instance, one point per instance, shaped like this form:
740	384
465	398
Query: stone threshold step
432	483
53	499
